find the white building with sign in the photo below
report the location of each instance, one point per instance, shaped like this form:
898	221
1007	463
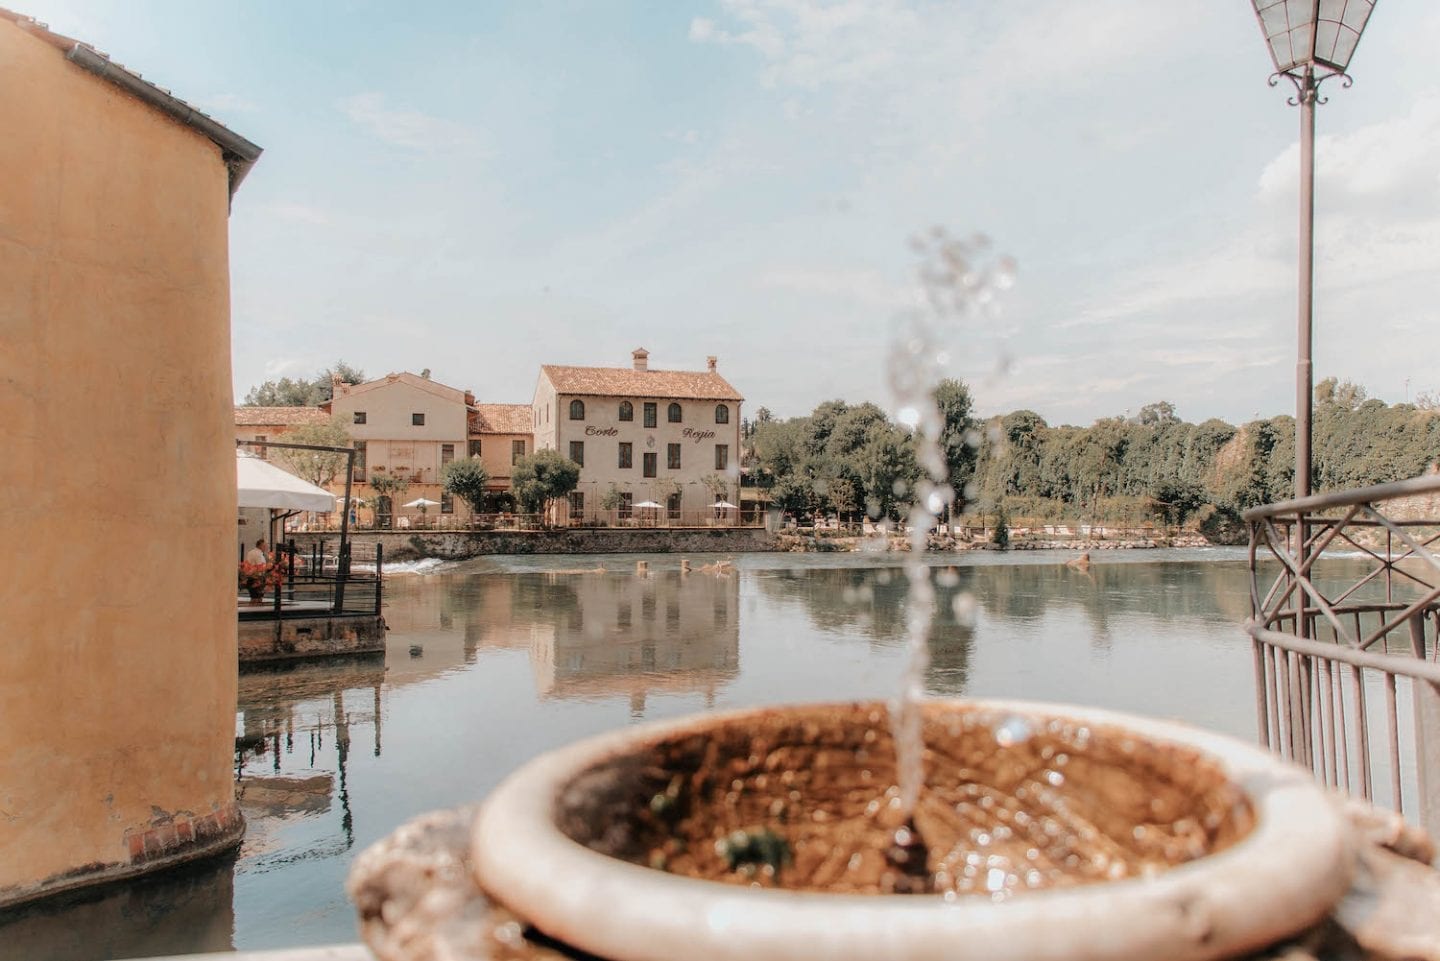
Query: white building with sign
667	437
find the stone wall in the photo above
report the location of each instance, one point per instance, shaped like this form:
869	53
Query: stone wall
457	545
310	637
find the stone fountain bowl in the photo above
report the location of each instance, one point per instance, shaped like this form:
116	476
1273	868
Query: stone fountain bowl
1046	832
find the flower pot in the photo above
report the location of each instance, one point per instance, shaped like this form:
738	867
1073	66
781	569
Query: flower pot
257	594
1049	832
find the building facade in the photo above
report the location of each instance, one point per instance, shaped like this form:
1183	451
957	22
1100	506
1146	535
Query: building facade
273	423
641	436
405	428
117	676
500	435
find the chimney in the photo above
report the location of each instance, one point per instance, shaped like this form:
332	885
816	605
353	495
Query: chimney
710	363
338	385
642	358
469	398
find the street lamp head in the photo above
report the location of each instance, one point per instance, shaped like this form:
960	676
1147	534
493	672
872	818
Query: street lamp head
1312	36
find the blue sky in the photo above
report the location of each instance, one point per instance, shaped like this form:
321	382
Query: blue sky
480	188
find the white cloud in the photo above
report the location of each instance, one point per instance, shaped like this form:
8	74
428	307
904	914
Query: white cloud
408	128
1389	162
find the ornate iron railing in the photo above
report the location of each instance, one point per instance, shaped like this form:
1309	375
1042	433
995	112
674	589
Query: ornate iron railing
1344	592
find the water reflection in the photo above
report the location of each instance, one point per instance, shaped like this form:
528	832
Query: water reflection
590	635
294	726
871	603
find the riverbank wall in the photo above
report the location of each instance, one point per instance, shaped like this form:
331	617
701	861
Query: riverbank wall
811	543
460	545
328	635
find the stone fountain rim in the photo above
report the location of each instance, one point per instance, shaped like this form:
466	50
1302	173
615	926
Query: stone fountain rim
1283	875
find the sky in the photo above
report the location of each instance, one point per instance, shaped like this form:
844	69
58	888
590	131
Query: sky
482	188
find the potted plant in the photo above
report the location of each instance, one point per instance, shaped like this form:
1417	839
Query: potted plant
257	578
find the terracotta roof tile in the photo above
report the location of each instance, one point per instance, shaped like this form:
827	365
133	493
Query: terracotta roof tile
628	382
502	419
255	416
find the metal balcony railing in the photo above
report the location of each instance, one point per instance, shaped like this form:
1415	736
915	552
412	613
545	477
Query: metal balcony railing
1344	591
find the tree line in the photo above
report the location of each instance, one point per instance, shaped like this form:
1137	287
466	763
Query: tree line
845	460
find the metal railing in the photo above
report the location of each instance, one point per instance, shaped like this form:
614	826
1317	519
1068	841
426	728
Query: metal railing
319	581
1333	640
663	517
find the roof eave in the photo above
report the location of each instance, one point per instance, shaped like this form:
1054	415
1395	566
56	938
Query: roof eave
238	153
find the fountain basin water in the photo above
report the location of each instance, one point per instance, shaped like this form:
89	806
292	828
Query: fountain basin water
1149	839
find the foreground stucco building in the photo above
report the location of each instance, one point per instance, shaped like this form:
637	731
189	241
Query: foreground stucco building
117	602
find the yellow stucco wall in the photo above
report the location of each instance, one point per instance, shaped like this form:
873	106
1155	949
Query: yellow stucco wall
117	589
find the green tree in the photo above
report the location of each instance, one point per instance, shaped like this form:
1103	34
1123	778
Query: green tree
1001	537
718	485
610	500
541	478
958	435
842	497
302	392
319	467
1160	412
388	489
466	479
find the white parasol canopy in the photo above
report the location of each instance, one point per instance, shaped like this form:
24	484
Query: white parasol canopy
260	483
723	505
648	505
423	502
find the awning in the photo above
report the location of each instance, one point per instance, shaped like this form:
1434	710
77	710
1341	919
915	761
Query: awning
262	484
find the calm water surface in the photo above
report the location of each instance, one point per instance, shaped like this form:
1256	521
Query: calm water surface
490	662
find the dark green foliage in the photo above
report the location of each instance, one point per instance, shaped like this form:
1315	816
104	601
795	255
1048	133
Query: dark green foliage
1001	537
1150	468
466	479
542	478
301	392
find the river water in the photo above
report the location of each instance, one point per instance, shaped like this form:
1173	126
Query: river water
492	661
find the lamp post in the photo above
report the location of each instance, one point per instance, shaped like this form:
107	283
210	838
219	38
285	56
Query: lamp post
1310	42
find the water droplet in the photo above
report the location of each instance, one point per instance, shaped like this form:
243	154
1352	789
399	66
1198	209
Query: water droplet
1055	778
510	933
994	880
1013	730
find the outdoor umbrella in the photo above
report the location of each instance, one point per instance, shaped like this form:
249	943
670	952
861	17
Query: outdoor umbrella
423	502
723	505
649	505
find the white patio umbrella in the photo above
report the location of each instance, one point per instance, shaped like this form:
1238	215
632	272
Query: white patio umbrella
423	503
723	505
648	505
260	483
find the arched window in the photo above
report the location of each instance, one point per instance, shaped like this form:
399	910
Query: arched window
673	414
627	410
577	410
722	414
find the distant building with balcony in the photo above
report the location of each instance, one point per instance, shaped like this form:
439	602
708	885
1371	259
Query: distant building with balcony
668	437
406	427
